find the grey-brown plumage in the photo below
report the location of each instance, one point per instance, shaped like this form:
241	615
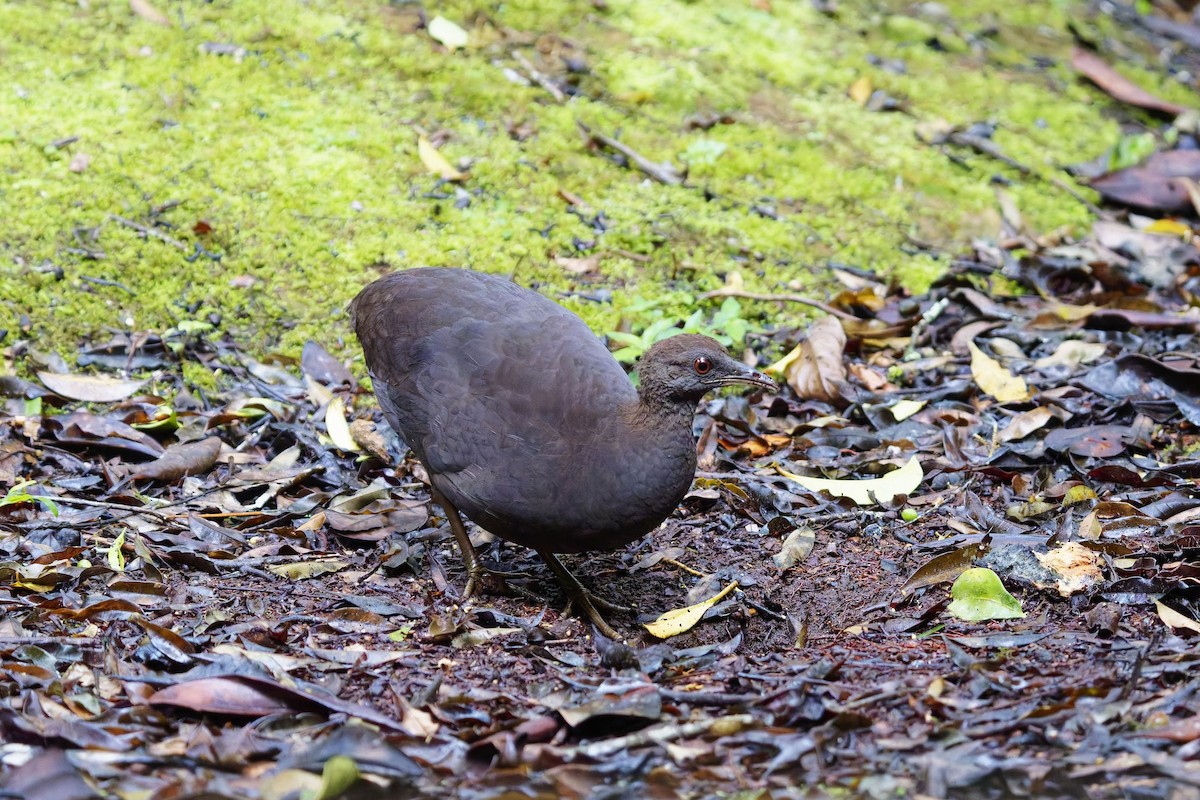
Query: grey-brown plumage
523	419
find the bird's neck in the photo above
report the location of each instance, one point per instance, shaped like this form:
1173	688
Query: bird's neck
657	414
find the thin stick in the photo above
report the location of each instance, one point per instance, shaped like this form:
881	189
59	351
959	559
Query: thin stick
785	298
148	231
661	734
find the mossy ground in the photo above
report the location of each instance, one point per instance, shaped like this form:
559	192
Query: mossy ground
299	150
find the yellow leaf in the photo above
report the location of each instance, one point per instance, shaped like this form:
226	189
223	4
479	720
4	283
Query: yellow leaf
1173	619
681	620
116	558
903	409
435	162
1170	227
994	379
899	481
860	90
301	570
339	430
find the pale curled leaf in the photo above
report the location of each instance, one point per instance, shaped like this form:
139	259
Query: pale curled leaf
436	163
338	428
681	620
1072	353
89	388
866	492
796	547
302	570
978	596
994	379
447	33
1174	619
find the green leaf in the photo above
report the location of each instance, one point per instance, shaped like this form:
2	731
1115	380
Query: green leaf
338	775
116	559
978	595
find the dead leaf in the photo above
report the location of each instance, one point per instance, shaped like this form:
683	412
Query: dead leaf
860	90
1117	86
815	368
447	33
580	266
436	163
869	491
149	13
338	428
994	379
89	388
190	458
796	547
681	620
1025	423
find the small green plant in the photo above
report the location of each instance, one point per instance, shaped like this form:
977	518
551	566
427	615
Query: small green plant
726	326
18	494
1130	150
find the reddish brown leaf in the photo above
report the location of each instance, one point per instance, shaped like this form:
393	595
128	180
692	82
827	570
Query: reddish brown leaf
1117	86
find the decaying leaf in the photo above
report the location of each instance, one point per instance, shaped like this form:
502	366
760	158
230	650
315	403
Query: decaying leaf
994	379
815	368
1077	568
180	460
944	568
1071	353
302	570
681	620
978	596
89	388
904	480
795	548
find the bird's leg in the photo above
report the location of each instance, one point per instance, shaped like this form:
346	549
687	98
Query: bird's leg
581	598
469	556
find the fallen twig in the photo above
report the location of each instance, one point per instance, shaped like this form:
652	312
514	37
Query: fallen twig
541	79
149	231
664	172
786	298
660	734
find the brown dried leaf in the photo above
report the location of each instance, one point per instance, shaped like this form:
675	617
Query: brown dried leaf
180	460
817	372
1117	86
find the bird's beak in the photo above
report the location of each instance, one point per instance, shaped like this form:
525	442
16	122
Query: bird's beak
745	375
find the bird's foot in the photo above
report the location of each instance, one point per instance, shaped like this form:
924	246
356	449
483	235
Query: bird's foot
586	603
580	598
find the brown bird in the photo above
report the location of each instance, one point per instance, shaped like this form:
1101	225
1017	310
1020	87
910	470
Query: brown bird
526	423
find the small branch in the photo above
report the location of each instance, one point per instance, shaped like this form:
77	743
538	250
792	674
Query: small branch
660	734
665	173
148	231
540	78
786	298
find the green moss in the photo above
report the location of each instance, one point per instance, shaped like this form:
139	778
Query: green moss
299	151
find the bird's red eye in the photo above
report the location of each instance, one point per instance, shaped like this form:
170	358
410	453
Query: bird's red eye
703	365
